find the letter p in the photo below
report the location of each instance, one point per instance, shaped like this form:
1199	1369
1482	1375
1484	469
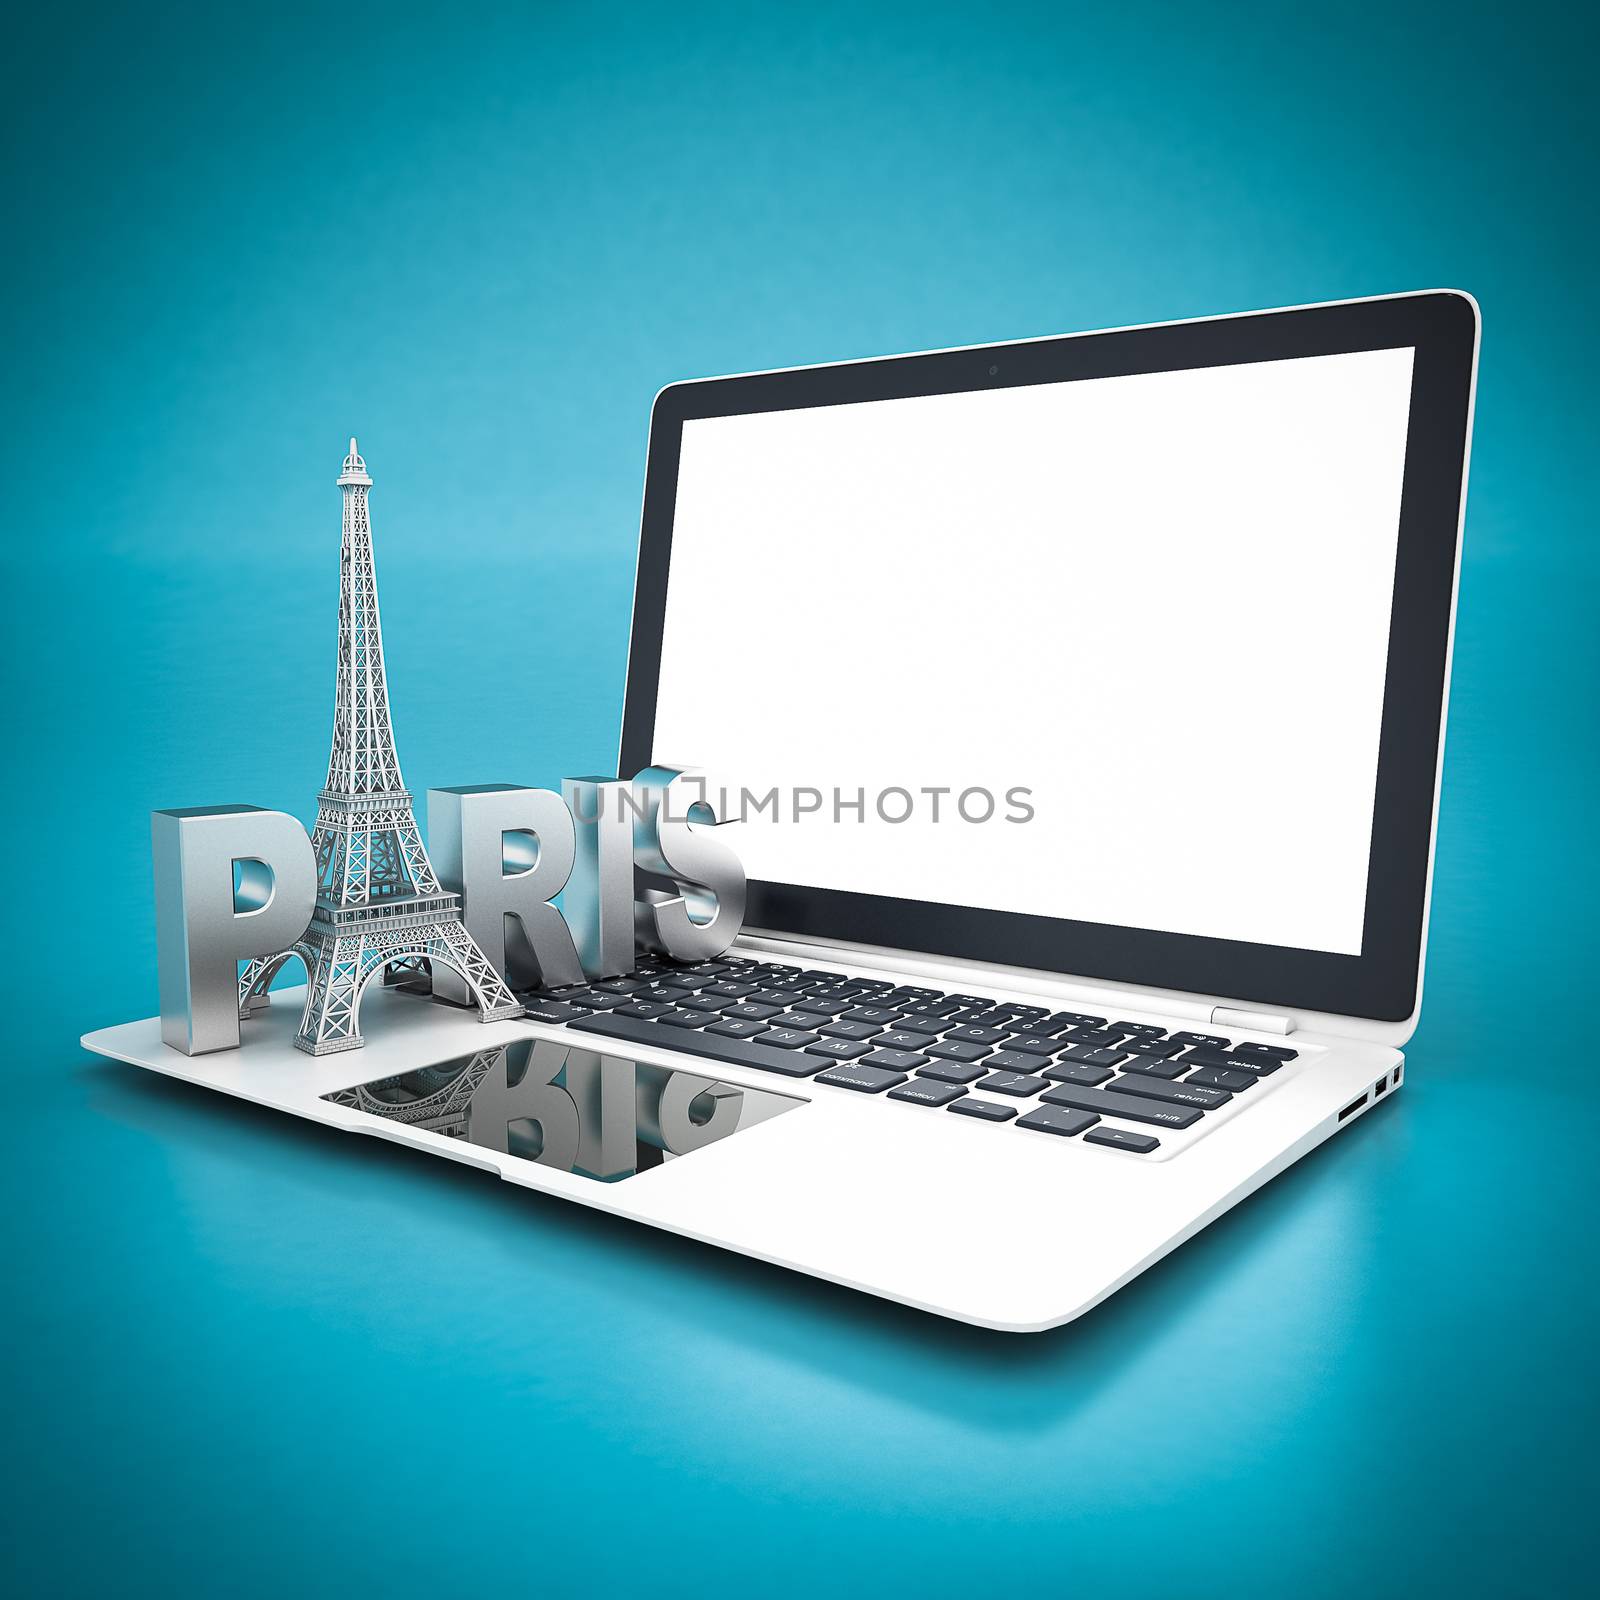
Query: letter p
205	926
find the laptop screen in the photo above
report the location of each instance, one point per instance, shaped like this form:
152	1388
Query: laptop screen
1110	650
1120	655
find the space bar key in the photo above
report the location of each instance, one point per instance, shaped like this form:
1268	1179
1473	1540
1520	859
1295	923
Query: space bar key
735	1052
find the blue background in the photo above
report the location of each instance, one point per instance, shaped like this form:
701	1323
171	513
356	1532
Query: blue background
248	1357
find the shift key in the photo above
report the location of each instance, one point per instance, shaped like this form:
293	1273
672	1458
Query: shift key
1129	1107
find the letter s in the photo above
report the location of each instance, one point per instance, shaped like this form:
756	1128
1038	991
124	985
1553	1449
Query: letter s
704	917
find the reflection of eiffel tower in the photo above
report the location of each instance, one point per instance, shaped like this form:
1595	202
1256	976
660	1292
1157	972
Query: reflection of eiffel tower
435	1098
379	903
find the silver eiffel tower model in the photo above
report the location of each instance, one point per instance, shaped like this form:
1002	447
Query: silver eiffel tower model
379	904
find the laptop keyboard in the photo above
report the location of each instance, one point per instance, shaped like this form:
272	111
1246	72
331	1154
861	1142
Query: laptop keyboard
1065	1073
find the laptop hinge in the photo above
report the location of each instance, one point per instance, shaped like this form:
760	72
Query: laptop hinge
1251	1021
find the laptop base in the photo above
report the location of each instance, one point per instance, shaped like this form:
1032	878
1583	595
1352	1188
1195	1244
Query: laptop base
993	1226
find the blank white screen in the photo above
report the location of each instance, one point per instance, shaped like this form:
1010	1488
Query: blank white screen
1161	603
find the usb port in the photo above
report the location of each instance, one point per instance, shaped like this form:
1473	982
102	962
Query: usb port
1379	1087
1351	1109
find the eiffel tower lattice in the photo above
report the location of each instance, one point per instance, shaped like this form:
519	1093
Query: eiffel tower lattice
379	904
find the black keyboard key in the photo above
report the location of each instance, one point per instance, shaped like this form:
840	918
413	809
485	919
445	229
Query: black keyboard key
904	1039
550	1011
1019	1011
1155	1049
1063	1020
907	991
1085	1077
1015	1061
1058	1120
1222	1078
691	980
863	1079
593	1000
1123	1139
958	1050
1137	1030
1088	1055
619	985
839	1049
881	1015
798	1019
1095	1038
951	1072
668	992
924	1092
749	1011
644	1008
1154	1067
693	1041
1211	1041
918	1022
730	990
823	1005
704	1002
735	1029
1232	1061
971	1035
872	983
770	997
1178	1094
851	1030
788	1038
931	1008
972	1000
1274	1052
1013	1083
683	1019
989	1110
1131	1107
895	1060
979	1017
1032	1044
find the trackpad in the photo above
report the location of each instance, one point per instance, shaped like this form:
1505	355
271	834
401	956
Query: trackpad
599	1115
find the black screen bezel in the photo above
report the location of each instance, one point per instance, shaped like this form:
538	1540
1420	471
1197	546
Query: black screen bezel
1381	983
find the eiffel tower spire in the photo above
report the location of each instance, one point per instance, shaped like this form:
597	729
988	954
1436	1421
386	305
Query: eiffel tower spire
367	844
363	760
379	902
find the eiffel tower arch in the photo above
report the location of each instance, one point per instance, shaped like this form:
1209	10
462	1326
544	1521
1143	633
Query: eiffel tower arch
379	902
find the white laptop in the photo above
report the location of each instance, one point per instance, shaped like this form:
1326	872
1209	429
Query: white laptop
1080	703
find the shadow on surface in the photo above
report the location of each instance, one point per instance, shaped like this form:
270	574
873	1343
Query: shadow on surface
932	1364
